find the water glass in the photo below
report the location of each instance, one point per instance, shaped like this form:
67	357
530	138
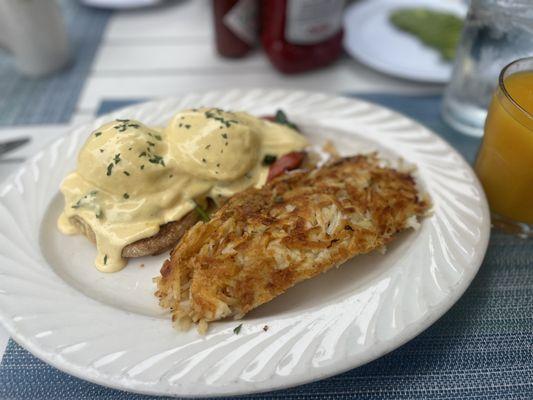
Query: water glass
495	33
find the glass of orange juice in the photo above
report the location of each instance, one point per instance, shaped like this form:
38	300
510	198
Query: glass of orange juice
504	163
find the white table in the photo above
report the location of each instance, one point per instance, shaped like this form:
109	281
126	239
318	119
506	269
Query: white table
168	50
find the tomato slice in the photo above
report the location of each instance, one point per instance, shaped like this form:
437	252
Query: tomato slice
286	162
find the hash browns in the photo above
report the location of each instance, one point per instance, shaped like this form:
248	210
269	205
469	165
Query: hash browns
264	241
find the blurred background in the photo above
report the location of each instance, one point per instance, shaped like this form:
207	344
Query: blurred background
59	59
140	49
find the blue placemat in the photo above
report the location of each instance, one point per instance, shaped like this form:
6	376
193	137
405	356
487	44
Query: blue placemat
481	349
52	99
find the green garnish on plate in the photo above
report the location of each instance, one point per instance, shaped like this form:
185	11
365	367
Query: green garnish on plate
281	118
237	329
436	29
204	216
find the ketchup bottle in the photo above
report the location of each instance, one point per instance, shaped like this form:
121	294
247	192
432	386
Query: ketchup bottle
236	26
300	35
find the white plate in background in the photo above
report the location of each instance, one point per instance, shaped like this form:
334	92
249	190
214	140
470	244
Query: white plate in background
108	328
120	4
370	37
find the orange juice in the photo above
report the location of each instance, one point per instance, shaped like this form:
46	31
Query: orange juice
505	160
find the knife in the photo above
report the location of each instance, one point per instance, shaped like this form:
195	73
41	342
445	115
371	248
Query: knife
12	144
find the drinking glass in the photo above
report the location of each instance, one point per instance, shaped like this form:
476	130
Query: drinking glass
505	160
495	33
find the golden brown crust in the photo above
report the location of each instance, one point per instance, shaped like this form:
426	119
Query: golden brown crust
263	241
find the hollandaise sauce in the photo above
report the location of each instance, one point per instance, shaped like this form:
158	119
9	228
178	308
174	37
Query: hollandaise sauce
131	179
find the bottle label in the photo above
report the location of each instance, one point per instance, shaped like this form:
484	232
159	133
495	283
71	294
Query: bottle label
312	21
242	20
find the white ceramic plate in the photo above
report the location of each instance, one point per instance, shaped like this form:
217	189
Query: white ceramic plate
372	39
121	4
107	328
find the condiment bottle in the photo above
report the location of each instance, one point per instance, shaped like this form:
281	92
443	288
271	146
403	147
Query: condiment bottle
300	35
236	26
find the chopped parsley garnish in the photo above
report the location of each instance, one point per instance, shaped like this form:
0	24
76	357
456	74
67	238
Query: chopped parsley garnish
157	160
124	124
87	200
281	118
116	160
207	147
105	259
237	329
218	117
126	196
101	150
157	137
269	159
203	160
225	135
187	126
126	173
97	134
152	158
142	166
278	199
204	216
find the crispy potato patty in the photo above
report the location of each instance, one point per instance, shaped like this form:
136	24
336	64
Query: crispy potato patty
264	241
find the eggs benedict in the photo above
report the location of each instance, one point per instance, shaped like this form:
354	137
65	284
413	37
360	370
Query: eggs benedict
137	189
